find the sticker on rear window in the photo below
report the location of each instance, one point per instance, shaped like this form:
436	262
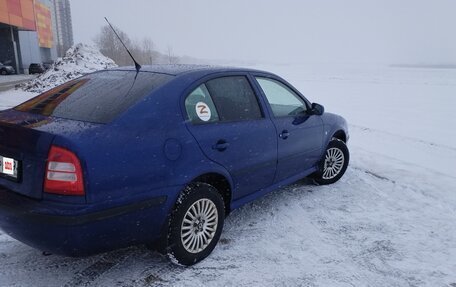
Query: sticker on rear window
203	111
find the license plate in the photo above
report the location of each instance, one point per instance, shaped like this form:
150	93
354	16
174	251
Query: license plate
8	167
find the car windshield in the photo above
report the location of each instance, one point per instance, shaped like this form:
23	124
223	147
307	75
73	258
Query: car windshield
96	98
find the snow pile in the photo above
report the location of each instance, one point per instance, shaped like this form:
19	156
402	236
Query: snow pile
78	60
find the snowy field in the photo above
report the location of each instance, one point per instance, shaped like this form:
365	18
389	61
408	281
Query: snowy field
390	221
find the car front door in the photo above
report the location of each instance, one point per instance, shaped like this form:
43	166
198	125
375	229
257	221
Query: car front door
300	135
226	119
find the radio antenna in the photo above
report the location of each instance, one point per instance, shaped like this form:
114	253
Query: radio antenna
137	66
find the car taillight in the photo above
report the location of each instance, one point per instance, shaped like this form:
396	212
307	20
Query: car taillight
63	173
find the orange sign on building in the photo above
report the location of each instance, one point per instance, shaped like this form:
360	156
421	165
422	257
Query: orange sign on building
44	25
29	15
19	13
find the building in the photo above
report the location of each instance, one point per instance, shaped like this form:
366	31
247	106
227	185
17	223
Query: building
33	31
38	46
64	26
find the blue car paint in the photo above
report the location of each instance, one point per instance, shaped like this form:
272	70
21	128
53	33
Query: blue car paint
333	124
60	228
250	165
149	153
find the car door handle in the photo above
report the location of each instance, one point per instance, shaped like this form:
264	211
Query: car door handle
284	134
221	145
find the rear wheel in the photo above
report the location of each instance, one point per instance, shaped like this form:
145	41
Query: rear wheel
196	224
3	72
334	164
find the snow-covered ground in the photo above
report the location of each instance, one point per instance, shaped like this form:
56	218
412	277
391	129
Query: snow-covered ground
390	221
15	78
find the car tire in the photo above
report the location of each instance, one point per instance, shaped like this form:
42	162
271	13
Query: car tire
334	163
3	72
196	224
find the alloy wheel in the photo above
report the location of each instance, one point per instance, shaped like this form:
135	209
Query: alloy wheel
334	161
199	225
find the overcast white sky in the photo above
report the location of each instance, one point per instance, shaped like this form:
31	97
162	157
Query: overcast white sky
376	31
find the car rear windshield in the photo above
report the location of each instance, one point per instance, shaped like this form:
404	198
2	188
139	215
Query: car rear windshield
96	98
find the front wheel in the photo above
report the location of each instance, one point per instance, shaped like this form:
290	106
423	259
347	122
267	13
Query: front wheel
196	224
334	164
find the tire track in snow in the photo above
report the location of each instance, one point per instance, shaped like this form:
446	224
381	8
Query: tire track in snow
90	274
363	237
374	174
410	163
411	139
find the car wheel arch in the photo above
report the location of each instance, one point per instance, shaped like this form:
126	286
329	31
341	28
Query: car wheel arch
221	183
340	135
333	133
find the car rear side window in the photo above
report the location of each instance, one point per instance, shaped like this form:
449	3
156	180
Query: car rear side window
234	98
97	98
200	107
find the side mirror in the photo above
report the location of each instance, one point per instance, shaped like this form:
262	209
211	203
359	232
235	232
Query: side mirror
317	109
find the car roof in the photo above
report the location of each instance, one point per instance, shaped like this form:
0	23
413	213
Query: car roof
180	69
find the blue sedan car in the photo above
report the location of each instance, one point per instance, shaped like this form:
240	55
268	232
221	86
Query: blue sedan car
158	157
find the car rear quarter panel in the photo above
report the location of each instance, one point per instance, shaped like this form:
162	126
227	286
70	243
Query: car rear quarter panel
147	149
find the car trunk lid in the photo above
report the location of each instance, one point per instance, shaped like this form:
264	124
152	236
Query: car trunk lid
25	140
28	147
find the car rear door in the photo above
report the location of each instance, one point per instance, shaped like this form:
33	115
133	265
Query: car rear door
300	135
226	119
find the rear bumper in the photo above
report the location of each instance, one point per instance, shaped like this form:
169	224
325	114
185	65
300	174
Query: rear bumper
63	229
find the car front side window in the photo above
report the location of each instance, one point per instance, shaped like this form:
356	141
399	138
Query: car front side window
284	102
